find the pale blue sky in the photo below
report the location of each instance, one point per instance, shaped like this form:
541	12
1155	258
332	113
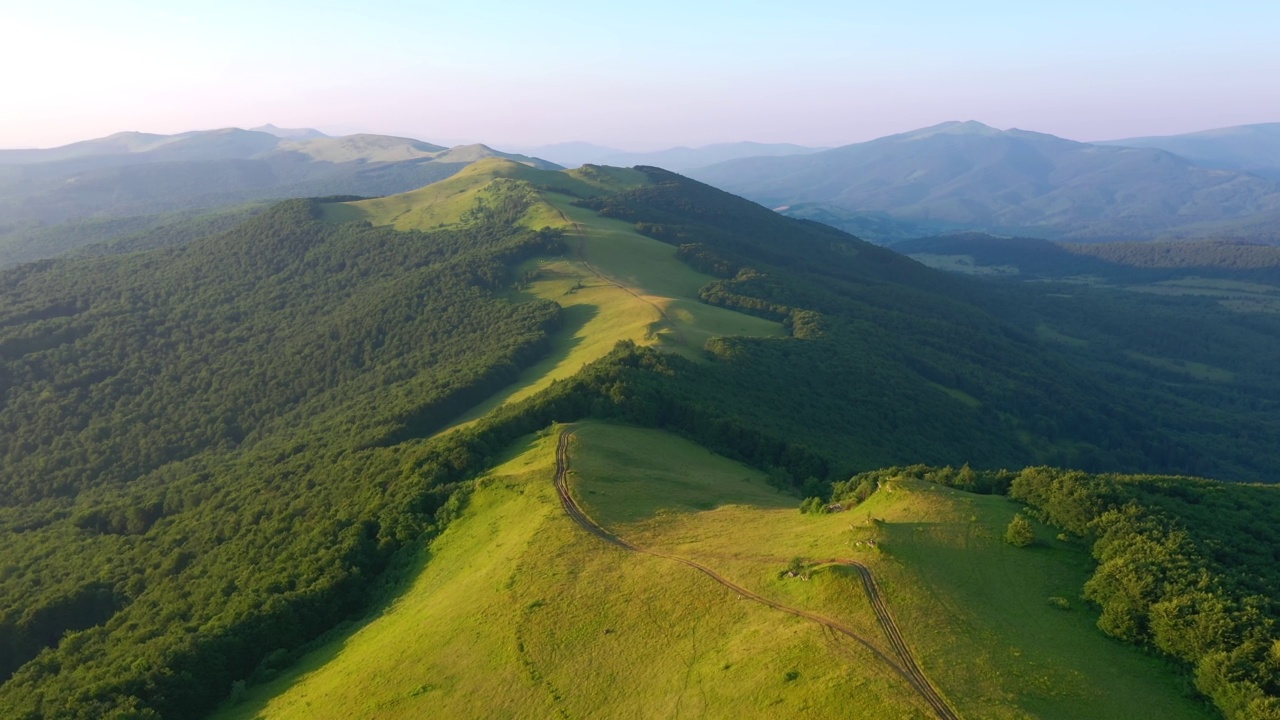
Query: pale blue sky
635	75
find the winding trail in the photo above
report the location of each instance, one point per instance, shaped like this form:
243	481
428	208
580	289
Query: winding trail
905	664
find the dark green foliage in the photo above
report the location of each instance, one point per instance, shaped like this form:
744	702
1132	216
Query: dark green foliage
162	355
903	364
1200	254
116	235
985	482
1224	427
812	506
176	232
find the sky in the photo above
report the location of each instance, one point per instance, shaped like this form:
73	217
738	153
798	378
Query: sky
634	75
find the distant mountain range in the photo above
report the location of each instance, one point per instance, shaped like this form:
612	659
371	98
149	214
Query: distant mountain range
145	177
261	143
679	159
968	176
290	133
1251	148
953	177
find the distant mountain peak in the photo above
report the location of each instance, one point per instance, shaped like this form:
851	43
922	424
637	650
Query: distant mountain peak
1249	148
951	127
968	175
289	133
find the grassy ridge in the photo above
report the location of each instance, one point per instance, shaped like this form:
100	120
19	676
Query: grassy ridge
614	283
520	614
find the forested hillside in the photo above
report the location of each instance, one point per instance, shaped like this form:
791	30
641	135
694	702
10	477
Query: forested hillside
968	176
203	443
941	366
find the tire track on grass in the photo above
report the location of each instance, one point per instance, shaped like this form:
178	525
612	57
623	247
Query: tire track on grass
905	665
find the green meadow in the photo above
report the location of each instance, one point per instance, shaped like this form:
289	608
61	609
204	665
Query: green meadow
515	611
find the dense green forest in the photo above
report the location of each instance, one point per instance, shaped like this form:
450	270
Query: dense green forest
199	442
1227	254
216	451
902	364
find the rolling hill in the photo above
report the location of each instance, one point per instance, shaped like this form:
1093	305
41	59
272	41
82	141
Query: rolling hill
221	456
521	607
99	190
1250	148
289	133
679	159
967	176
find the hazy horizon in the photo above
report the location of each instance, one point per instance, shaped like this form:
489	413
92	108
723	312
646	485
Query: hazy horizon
816	73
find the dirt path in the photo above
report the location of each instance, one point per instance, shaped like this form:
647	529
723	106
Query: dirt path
582	258
905	665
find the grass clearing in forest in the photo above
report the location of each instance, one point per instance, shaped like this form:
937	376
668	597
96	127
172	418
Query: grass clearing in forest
520	613
1237	295
1196	370
964	264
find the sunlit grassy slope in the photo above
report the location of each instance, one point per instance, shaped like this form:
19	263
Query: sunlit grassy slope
520	613
614	283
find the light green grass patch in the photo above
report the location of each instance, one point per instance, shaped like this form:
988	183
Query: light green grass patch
958	394
975	610
1047	332
608	178
444	203
1236	295
963	264
985	621
1196	370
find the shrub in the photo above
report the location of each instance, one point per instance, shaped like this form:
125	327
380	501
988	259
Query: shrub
1020	533
813	505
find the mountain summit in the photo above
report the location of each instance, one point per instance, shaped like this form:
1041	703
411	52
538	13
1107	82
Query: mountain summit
966	175
1252	148
290	133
